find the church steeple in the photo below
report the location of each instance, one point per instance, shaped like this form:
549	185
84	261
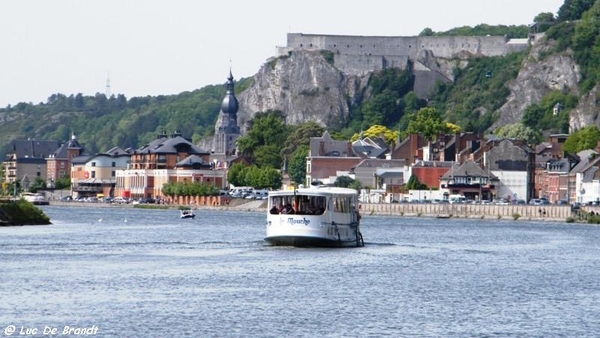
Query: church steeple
227	130
229	105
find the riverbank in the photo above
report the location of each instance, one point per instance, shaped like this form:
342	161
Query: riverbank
554	213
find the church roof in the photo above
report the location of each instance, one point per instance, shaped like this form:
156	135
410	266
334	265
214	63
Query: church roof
230	105
171	145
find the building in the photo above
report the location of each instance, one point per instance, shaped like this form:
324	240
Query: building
513	163
26	160
95	175
227	130
580	177
58	164
327	156
166	159
469	180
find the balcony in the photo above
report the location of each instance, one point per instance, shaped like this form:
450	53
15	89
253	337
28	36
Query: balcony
87	188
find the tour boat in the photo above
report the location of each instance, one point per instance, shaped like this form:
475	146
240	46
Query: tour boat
187	213
35	199
320	216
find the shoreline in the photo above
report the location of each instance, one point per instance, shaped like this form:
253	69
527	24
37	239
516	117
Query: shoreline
550	213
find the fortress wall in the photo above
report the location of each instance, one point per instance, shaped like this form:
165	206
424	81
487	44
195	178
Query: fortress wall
441	46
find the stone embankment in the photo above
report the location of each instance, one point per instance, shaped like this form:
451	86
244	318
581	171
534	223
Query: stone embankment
521	212
556	213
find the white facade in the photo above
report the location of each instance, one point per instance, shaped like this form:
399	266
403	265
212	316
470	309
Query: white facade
512	184
587	191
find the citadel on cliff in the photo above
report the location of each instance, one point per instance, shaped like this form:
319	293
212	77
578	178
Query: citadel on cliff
360	55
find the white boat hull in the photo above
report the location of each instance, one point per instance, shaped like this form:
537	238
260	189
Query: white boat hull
311	231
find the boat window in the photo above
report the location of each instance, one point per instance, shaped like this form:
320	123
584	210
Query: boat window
310	205
341	204
298	204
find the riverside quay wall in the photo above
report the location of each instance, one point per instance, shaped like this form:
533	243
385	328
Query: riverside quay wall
522	212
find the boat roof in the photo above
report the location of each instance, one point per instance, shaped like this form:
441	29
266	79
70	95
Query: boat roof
316	191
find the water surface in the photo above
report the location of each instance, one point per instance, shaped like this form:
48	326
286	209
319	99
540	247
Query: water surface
147	273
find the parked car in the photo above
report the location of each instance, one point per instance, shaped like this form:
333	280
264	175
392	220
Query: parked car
538	201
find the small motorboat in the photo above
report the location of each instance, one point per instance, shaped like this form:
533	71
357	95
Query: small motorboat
187	213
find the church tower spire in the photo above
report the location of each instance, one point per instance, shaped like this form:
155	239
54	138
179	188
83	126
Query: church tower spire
227	130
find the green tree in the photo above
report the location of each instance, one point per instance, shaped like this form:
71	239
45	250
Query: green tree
574	9
586	138
544	17
426	32
346	182
519	131
300	136
268	156
235	175
426	122
265	129
586	46
415	184
390	136
297	165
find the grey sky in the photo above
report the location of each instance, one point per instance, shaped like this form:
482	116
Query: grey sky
153	47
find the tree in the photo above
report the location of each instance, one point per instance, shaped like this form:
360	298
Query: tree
426	32
268	156
574	9
586	138
300	136
544	17
265	129
235	174
346	182
260	178
297	165
426	122
415	184
519	131
390	136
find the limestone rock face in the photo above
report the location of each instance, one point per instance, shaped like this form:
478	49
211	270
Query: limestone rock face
538	76
305	87
586	112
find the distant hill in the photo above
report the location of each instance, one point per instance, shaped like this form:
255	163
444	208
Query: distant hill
101	123
561	68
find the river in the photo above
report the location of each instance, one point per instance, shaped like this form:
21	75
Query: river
125	272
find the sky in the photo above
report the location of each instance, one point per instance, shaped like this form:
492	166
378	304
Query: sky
151	47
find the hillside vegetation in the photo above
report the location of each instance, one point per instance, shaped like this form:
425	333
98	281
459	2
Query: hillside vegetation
101	123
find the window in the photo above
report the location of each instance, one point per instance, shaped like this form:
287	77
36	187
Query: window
114	164
112	173
93	174
93	164
62	165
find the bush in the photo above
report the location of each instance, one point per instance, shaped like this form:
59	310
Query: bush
516	216
593	219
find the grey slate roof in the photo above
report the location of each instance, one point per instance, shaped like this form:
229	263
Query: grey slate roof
33	148
61	152
171	145
469	168
194	162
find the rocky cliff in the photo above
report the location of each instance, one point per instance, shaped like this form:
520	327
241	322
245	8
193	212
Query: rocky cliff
306	85
540	73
